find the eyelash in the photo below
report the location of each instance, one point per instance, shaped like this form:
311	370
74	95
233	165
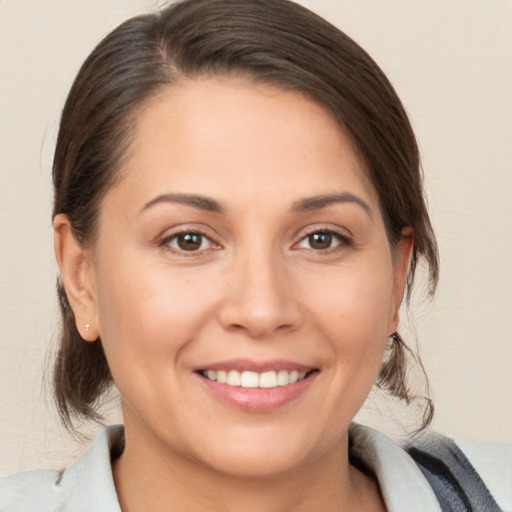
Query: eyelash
167	241
342	240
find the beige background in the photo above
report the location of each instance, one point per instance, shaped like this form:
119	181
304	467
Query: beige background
450	61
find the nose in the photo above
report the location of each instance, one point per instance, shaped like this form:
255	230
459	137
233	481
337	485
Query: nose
261	300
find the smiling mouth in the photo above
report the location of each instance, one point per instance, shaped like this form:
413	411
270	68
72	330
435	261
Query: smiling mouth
253	380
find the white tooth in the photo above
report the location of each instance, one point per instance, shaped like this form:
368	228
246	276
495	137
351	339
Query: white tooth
282	378
249	379
293	377
233	378
268	380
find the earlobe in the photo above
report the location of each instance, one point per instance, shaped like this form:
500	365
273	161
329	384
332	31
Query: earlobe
401	261
77	275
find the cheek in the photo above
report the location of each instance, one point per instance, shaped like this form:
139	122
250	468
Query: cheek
148	314
353	308
358	300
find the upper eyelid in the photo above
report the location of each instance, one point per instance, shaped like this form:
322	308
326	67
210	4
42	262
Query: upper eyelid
186	232
300	234
345	238
174	231
342	238
319	228
165	241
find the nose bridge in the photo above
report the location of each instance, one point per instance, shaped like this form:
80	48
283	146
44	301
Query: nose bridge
260	272
260	300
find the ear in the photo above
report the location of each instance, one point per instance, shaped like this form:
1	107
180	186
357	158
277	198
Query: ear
77	272
402	253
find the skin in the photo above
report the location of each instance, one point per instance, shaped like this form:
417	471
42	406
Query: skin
257	289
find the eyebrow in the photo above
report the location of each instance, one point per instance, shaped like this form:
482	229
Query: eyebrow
201	202
304	205
317	202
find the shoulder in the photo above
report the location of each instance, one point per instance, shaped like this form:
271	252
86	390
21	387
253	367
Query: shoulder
493	462
435	473
86	485
27	490
402	484
464	472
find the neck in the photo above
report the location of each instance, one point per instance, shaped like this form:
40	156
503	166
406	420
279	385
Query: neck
148	477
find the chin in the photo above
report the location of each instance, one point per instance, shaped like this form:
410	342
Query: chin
257	463
270	455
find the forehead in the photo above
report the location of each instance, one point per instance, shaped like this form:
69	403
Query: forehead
230	136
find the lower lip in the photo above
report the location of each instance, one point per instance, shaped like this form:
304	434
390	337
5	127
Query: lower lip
258	399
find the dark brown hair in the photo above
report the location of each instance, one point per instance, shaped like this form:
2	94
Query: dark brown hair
275	42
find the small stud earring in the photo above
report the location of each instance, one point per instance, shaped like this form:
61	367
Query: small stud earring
87	325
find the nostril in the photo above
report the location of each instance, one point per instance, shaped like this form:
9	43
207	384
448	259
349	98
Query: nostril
236	327
259	329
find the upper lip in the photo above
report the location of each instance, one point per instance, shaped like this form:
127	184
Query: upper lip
242	365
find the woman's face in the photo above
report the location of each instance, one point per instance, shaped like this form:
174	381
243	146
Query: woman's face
243	243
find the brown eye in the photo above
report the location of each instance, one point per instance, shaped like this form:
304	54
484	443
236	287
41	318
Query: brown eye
188	242
324	240
320	240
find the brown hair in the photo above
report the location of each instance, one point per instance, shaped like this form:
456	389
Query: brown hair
276	42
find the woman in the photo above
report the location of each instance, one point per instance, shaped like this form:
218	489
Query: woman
238	214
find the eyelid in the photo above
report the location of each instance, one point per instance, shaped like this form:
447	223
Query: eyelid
346	238
324	228
169	235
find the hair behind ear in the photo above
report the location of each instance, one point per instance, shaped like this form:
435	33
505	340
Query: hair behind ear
81	372
393	377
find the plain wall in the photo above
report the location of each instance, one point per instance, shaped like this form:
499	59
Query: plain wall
451	63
